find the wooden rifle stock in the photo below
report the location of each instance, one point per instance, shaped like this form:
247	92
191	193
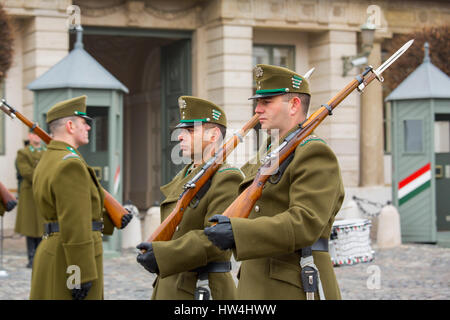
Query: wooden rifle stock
167	228
7	198
244	203
114	209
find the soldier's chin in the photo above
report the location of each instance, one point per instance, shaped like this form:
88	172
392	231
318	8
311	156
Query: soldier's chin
84	142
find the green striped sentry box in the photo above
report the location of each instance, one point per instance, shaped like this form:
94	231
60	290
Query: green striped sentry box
414	184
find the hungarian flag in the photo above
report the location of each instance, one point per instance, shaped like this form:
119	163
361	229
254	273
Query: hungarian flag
414	184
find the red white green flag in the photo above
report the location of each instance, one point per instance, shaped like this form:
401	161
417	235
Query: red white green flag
414	184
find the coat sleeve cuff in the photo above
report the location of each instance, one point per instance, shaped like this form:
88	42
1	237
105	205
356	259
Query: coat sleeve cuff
183	254
83	256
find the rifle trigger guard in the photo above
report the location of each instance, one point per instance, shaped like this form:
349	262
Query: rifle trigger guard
203	190
194	203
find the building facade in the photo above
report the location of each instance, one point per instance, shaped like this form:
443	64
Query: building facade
208	48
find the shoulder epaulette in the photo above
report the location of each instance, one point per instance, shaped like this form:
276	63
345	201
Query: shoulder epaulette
227	167
311	138
70	156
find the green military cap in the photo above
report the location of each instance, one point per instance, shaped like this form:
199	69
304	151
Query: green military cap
67	108
273	81
194	109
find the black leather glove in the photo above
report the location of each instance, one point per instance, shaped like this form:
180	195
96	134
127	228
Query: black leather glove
147	259
126	218
10	205
221	234
80	294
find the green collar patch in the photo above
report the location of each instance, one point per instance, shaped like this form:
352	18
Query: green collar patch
70	156
311	138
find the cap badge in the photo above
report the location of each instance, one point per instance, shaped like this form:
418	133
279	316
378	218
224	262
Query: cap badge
258	71
182	103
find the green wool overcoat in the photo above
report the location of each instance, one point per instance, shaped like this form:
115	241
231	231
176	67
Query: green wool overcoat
67	191
189	247
291	214
28	222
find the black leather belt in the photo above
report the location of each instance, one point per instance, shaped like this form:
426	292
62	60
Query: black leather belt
319	245
213	267
53	227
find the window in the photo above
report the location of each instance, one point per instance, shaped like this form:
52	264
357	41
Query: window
98	135
442	133
413	136
277	55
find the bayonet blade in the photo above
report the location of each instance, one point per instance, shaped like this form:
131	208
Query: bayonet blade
309	73
394	57
6	108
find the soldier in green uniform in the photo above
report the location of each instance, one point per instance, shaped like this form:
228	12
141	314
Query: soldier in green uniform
189	261
292	220
69	262
28	222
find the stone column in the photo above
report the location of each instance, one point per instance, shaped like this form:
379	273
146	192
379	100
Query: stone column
229	78
372	173
340	130
45	43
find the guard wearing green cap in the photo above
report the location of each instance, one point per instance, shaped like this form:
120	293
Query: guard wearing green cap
28	222
289	227
189	264
69	262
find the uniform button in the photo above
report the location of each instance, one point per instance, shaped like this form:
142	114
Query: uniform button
178	227
256	208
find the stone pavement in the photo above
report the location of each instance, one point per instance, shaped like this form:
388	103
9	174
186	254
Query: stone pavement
408	272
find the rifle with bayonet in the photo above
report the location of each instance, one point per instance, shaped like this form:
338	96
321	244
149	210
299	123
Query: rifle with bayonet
244	203
114	209
7	198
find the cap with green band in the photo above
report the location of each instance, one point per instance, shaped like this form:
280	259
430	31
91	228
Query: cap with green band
68	108
193	109
273	81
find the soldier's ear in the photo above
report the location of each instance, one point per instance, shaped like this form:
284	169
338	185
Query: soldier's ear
69	125
295	106
215	134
